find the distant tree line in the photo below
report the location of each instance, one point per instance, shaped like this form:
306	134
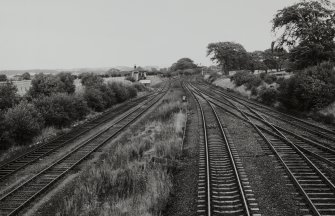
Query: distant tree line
307	32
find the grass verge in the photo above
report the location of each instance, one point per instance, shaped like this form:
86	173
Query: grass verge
134	176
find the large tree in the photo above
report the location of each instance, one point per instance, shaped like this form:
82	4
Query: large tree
256	61
229	55
183	64
308	29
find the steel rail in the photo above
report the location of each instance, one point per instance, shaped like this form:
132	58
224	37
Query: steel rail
231	157
305	195
298	120
277	128
151	102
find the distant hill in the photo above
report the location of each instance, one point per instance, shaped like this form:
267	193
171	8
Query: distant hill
31	71
101	70
123	68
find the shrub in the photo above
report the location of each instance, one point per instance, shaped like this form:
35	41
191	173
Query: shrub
270	78
139	87
91	80
241	78
262	75
254	81
23	122
61	109
254	91
247	79
311	89
47	84
268	95
280	80
108	95
8	95
130	78
3	77
122	91
94	98
132	91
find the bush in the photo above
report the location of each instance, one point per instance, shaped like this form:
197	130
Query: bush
121	91
91	80
254	91
139	87
108	95
311	89
268	95
254	81
241	78
47	84
132	91
262	75
23	122
280	80
3	77
130	78
247	79
8	95
95	99
270	78
61	109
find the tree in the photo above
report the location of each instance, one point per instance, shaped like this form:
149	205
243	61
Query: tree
3	77
229	55
8	95
47	84
308	30
275	58
183	64
24	122
256	61
91	80
67	82
26	76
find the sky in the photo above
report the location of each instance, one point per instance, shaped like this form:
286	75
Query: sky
63	34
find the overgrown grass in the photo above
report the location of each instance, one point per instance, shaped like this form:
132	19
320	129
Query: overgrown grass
125	181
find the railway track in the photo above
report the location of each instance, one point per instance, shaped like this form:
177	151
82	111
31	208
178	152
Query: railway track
12	166
22	195
223	187
320	132
322	152
315	187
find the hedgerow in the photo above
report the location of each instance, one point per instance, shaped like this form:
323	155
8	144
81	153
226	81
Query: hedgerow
52	102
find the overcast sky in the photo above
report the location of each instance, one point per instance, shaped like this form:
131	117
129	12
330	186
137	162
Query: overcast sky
103	33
